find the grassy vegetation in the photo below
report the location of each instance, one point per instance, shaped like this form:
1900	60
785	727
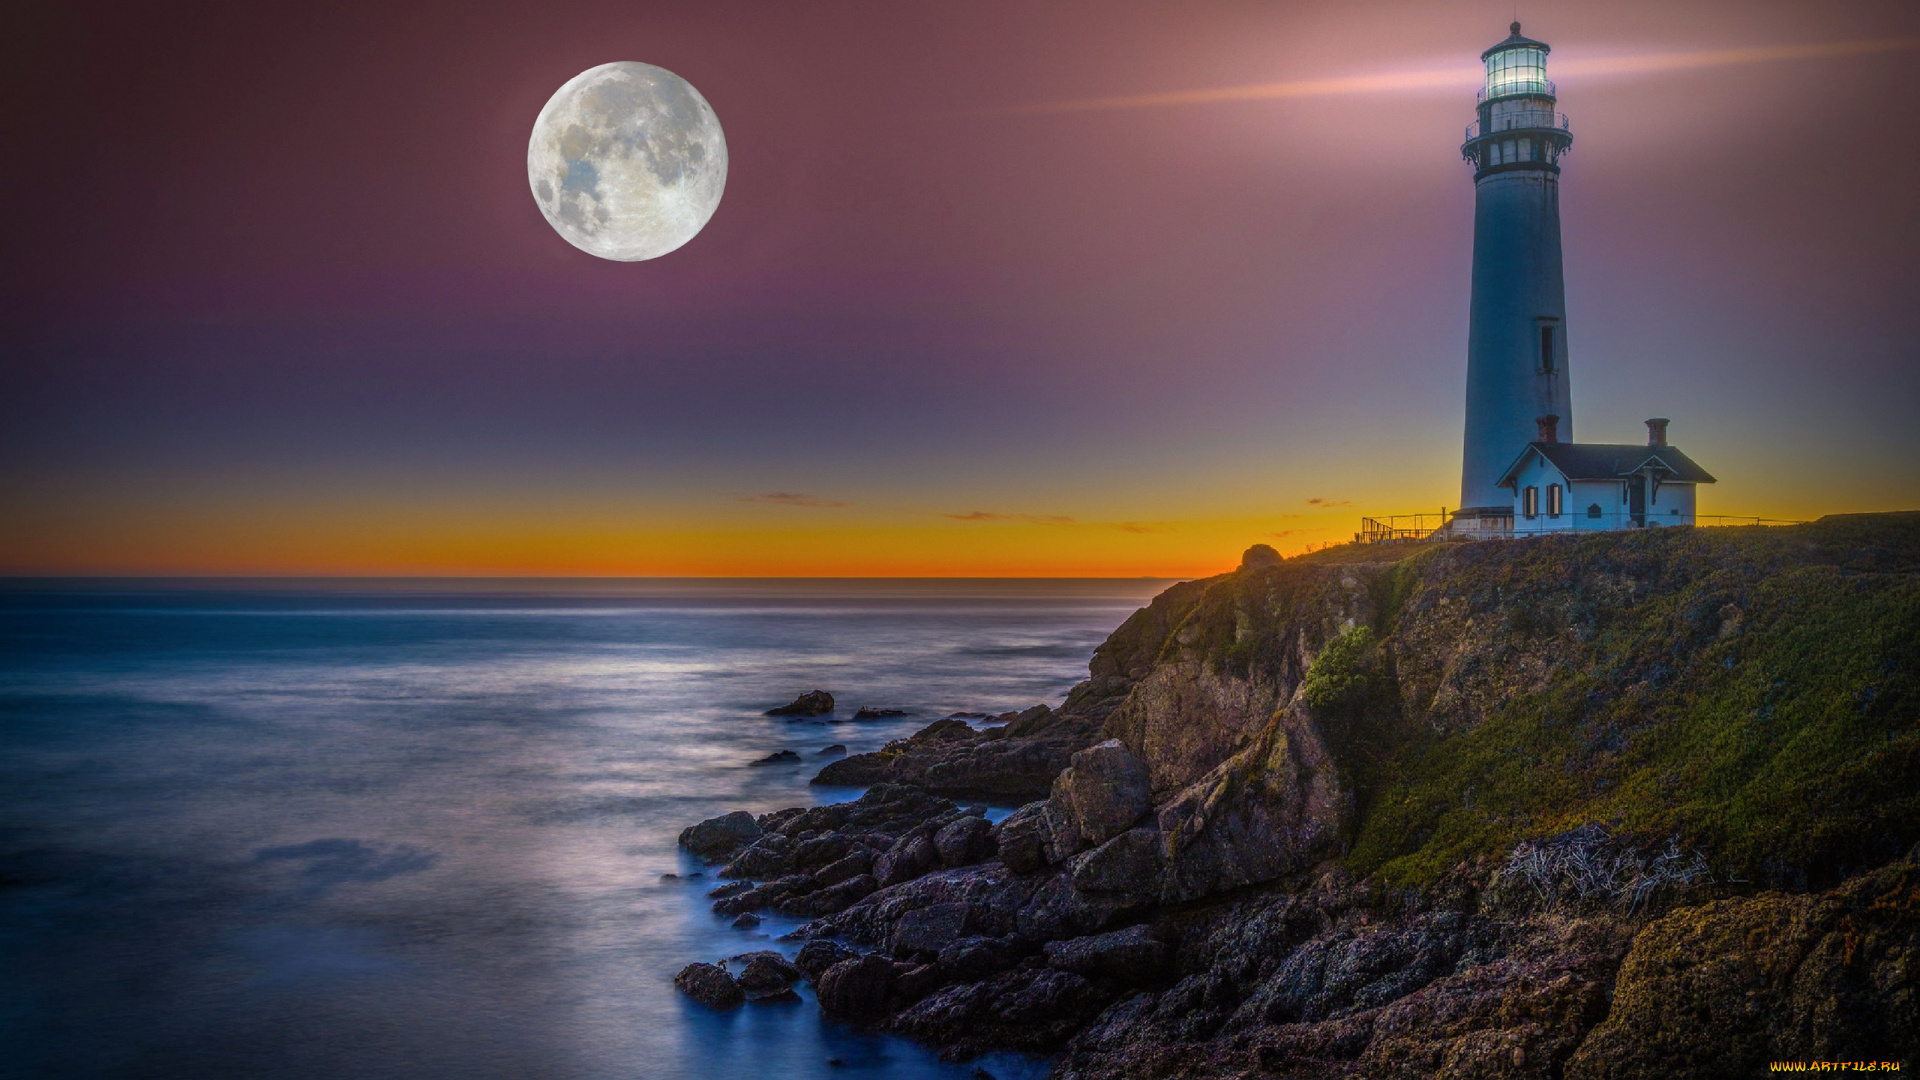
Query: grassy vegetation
1755	691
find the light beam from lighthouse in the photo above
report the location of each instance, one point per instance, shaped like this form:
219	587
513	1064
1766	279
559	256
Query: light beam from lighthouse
1517	337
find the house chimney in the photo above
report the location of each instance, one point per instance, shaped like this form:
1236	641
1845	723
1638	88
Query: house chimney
1657	431
1549	428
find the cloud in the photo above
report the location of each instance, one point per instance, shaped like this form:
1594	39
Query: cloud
1140	527
789	498
1284	533
1028	519
1326	503
1467	76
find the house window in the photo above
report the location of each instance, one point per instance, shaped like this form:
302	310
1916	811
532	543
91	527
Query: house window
1553	500
1546	349
1594	511
1530	502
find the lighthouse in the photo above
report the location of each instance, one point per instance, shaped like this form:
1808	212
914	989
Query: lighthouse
1517	335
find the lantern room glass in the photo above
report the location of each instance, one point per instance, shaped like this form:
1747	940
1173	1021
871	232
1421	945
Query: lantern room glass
1520	70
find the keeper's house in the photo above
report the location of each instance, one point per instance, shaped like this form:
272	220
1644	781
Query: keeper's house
1580	487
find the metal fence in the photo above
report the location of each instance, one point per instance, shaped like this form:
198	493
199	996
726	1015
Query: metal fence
1422	528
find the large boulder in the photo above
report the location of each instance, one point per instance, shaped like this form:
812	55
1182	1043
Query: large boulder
709	985
813	703
929	929
857	989
769	856
1032	1008
1128	865
719	837
1021	838
908	858
1132	956
1015	761
855	863
767	974
818	955
1274	808
964	842
1104	792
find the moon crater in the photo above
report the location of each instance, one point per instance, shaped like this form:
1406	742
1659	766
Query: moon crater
627	161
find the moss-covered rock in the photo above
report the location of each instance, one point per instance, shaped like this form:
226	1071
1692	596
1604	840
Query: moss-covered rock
1723	989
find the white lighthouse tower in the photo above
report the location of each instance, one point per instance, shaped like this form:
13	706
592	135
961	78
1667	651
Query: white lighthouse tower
1517	388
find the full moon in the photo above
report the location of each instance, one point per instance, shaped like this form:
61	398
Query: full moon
627	161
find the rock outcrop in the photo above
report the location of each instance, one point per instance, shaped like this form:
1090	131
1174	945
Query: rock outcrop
811	703
709	985
721	836
1606	805
1730	986
1014	760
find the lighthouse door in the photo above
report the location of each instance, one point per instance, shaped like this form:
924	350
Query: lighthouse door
1637	499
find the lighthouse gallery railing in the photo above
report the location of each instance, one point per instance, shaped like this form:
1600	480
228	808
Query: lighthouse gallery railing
1521	121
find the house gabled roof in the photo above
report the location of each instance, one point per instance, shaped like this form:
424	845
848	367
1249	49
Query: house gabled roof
1611	461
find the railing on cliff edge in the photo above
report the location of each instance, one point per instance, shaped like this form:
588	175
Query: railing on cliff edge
1422	528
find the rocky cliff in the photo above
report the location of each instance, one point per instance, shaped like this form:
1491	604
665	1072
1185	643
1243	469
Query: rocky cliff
1602	805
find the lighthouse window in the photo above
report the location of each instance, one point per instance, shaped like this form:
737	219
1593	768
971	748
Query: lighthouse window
1546	349
1508	153
1517	71
1553	500
1593	511
1530	502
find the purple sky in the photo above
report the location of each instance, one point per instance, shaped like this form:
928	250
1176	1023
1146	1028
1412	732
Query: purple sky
277	298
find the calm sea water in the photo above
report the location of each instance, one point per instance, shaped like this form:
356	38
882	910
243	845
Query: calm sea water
419	829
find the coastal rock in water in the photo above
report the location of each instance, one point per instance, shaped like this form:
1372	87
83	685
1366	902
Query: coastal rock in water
835	750
1021	838
964	842
780	757
1104	791
746	920
818	955
766	974
709	986
768	856
718	837
834	897
857	989
1132	956
813	703
868	712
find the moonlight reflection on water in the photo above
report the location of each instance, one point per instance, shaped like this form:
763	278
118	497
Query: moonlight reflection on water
378	833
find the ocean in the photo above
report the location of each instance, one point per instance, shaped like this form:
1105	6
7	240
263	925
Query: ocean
426	828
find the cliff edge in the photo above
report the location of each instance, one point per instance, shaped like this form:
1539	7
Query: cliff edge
1615	804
